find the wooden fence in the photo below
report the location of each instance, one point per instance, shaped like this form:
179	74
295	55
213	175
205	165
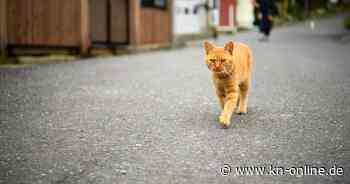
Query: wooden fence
46	23
82	23
109	21
155	26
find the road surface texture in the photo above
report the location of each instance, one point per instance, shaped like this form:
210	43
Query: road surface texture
153	117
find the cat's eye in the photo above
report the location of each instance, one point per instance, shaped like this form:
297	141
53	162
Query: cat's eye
222	60
212	60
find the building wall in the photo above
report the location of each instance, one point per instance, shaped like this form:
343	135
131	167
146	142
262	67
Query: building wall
186	20
155	25
72	23
3	27
109	21
214	12
44	22
245	14
228	11
98	19
149	25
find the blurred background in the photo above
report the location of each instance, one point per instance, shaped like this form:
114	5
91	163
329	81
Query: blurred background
85	27
152	117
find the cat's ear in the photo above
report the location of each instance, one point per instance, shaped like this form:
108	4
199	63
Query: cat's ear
208	47
229	47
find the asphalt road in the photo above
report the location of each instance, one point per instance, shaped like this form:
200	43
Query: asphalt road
152	117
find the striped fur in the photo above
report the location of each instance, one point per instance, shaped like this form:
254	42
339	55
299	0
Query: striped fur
232	71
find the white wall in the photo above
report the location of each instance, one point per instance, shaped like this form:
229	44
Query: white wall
245	14
189	23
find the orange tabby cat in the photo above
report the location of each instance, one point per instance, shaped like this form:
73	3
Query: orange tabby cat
232	71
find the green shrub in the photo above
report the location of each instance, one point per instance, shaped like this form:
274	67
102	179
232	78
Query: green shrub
296	9
347	22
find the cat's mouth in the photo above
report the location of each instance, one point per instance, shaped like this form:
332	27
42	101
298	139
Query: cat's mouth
217	70
221	73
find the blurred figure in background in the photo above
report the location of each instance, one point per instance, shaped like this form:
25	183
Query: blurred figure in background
265	9
256	13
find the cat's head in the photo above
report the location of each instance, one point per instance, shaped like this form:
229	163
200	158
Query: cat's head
219	59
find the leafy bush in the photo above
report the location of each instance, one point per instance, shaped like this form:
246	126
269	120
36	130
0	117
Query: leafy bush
347	22
296	9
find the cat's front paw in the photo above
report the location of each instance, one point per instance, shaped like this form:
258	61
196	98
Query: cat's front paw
224	120
240	112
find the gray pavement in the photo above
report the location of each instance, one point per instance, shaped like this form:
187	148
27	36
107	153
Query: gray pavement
152	117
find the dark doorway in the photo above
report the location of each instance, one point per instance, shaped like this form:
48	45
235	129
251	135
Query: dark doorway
109	22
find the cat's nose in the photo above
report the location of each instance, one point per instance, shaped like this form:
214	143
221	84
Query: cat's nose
216	68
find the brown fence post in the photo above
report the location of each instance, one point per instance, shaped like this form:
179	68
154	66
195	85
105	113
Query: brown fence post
306	8
171	20
85	28
3	28
134	22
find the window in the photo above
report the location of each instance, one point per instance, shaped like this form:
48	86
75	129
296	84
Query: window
154	3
